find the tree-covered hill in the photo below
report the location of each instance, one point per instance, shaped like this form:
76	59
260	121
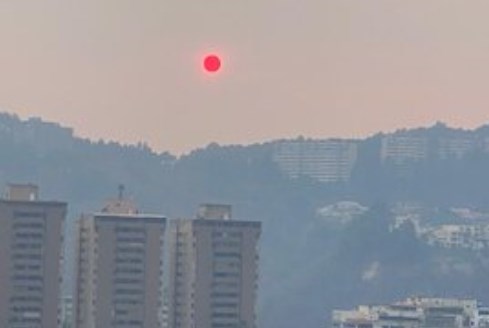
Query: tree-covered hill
308	266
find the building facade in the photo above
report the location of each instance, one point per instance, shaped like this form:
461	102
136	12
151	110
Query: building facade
322	160
415	312
31	239
213	270
400	149
119	269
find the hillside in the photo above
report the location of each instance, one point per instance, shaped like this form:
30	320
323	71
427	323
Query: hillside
308	266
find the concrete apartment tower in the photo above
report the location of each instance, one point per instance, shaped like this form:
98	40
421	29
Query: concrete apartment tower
213	270
31	238
119	268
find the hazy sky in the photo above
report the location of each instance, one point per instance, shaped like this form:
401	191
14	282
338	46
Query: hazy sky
129	69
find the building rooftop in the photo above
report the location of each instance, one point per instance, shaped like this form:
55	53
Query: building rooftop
214	212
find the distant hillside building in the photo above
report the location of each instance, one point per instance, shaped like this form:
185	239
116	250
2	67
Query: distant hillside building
341	212
213	270
437	142
323	160
469	236
456	147
42	136
31	238
481	319
416	312
119	268
399	148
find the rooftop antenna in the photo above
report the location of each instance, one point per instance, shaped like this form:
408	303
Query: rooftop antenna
121	192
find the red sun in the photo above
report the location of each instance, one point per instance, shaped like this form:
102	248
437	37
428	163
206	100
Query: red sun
212	63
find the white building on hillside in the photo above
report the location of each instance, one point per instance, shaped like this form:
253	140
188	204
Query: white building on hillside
323	160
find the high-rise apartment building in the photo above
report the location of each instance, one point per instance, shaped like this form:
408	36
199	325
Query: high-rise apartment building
213	270
322	160
31	238
119	268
